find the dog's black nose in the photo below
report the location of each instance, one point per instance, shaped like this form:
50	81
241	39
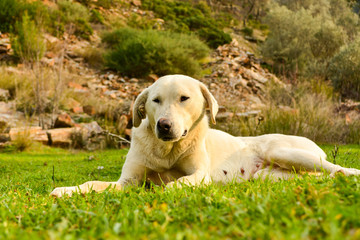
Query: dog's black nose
164	125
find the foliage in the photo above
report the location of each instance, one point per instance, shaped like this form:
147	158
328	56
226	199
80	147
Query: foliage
12	11
140	52
345	70
83	29
305	32
107	3
301	208
9	14
96	17
76	16
29	44
181	16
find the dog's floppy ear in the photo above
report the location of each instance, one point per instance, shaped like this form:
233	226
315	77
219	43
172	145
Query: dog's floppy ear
139	112
211	102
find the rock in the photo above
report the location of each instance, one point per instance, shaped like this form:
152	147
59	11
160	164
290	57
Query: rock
4	137
34	133
76	86
4	95
60	137
248	114
88	136
224	116
90	110
137	3
64	121
134	80
7	107
77	110
152	77
122	123
72	103
127	133
111	76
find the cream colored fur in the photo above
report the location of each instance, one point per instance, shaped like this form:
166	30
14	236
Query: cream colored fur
196	154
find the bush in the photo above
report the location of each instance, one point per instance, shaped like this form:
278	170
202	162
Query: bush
301	34
83	29
96	17
140	52
247	31
12	11
344	70
9	14
183	17
73	11
76	16
29	44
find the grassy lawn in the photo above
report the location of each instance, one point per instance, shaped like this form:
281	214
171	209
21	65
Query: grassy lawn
304	208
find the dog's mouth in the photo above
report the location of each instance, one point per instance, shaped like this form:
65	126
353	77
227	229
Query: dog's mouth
172	138
185	133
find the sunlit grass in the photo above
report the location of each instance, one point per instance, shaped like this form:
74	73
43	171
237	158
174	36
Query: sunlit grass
302	208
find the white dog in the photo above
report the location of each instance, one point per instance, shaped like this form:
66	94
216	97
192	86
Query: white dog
172	141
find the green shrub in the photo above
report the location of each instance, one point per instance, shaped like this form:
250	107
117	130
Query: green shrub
247	31
9	14
28	44
11	11
140	52
83	29
344	70
76	15
107	3
96	17
73	11
181	16
301	34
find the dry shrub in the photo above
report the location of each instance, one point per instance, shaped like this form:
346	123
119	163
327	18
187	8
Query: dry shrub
22	141
298	112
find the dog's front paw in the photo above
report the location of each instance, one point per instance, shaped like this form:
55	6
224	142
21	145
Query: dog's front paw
62	191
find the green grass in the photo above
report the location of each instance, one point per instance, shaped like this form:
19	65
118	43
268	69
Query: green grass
307	208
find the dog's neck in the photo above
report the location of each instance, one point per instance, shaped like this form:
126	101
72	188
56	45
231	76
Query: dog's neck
196	134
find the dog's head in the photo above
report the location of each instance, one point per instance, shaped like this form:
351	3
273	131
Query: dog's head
174	104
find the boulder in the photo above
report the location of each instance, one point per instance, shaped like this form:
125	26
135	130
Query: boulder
34	133
90	110
4	95
4	137
64	120
60	137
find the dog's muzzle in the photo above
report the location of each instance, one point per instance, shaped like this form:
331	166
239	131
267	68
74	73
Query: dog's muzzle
164	128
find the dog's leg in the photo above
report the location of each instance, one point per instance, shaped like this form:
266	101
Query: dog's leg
96	186
201	163
291	158
132	173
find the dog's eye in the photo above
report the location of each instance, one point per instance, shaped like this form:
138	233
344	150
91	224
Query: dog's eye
184	98
156	100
